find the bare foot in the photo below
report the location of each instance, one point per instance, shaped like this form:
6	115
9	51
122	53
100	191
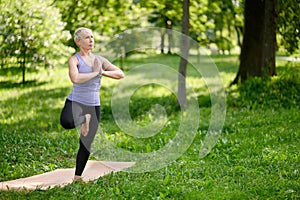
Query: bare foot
77	178
85	127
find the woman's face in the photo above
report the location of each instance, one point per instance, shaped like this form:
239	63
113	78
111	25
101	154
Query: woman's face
86	40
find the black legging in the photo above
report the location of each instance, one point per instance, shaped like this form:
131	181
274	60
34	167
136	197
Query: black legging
73	115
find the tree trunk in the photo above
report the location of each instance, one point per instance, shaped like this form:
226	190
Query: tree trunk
162	42
239	31
270	45
23	55
182	99
259	43
169	33
23	67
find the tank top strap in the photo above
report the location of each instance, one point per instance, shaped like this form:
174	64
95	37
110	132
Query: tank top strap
80	60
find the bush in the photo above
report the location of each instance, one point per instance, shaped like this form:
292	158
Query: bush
278	91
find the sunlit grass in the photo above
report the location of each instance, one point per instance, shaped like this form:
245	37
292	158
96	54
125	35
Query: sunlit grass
256	157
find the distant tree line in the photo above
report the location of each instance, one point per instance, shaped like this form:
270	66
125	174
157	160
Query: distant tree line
38	33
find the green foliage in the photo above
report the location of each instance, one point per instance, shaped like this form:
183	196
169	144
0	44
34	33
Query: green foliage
288	24
222	24
105	17
164	11
31	34
32	28
279	91
256	157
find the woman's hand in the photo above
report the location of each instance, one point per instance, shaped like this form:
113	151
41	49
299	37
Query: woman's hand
97	67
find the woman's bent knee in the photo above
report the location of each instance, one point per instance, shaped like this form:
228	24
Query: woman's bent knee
67	123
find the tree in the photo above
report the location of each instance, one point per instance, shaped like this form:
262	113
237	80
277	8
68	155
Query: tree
257	56
221	13
200	23
289	24
184	54
105	17
81	13
216	22
166	14
32	34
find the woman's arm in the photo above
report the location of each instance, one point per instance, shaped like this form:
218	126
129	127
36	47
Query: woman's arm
110	70
77	77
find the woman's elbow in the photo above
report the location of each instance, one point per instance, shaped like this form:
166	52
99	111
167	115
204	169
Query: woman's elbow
74	80
121	75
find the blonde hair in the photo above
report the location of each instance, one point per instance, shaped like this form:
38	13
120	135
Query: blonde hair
78	33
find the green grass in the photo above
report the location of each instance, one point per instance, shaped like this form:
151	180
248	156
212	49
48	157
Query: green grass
256	157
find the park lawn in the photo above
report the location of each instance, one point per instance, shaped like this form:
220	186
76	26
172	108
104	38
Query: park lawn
256	156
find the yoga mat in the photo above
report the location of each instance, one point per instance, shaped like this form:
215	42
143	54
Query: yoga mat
63	177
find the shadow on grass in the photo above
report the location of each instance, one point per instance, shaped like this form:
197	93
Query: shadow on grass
35	110
224	63
12	84
11	71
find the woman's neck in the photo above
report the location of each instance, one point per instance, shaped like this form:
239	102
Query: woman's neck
85	53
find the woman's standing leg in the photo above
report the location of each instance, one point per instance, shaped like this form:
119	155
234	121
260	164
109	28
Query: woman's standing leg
86	141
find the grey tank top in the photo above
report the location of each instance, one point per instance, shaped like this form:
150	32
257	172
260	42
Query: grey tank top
86	93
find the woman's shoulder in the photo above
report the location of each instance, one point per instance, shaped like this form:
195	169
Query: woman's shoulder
98	56
73	59
102	59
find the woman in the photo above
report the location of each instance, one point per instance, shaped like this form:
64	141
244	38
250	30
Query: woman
82	106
